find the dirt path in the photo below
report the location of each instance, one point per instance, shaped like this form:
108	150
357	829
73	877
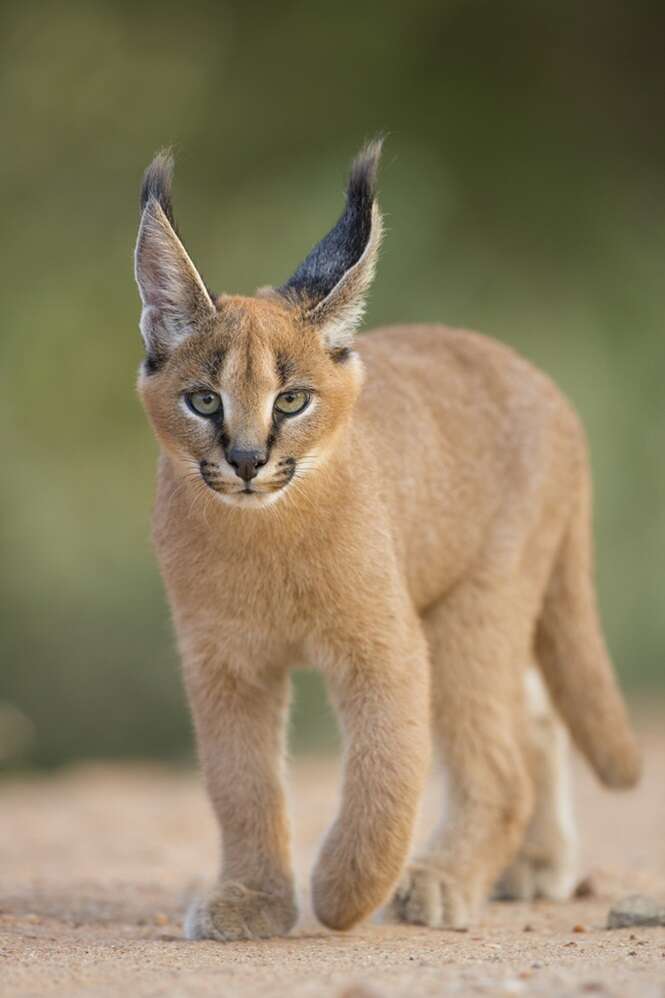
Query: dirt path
97	863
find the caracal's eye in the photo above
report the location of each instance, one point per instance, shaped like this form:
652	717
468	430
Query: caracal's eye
204	403
290	403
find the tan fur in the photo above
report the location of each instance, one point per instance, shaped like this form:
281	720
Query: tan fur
435	532
546	864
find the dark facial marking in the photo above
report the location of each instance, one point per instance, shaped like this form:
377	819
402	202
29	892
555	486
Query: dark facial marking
274	433
152	363
223	439
249	364
210	474
287	467
214	364
339	354
285	368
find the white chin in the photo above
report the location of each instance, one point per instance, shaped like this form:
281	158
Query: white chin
251	500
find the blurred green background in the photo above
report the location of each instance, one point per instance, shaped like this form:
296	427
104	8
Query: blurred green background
524	186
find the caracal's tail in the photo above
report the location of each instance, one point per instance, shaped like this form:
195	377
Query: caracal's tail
572	655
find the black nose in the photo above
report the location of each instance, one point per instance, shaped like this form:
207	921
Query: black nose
246	463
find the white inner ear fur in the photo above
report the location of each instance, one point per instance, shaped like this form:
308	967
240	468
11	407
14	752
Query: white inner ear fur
340	313
172	292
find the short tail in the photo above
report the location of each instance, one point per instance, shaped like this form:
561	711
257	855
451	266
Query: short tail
572	655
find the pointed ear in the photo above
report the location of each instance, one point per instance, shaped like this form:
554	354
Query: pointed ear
175	299
331	284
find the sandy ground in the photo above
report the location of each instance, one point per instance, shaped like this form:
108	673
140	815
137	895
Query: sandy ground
98	862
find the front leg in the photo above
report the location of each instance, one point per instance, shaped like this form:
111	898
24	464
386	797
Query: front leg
239	720
380	688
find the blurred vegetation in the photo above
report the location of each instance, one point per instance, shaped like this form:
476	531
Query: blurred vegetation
524	183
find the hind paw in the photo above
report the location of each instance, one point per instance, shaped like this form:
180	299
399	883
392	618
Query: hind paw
427	896
528	878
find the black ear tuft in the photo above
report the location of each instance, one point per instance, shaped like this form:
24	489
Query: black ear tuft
176	302
157	181
346	242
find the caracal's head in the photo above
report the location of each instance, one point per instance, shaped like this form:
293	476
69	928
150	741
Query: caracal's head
248	394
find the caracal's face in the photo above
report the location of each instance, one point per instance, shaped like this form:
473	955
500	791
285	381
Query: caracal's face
251	405
247	396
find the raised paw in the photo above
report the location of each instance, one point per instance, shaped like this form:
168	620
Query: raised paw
427	896
233	911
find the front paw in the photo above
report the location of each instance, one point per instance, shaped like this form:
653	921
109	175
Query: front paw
427	896
232	911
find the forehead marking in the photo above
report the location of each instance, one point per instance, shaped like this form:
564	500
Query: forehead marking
215	363
249	357
285	368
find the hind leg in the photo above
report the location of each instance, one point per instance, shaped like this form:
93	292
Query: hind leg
476	636
546	864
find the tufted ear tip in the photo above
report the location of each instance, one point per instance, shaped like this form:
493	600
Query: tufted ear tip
364	170
175	299
331	284
157	183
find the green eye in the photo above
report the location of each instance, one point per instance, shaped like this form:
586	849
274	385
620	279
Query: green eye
290	403
204	403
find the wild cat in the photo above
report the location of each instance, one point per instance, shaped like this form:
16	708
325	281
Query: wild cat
411	515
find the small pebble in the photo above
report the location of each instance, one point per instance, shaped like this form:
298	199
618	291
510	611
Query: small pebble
636	910
579	928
